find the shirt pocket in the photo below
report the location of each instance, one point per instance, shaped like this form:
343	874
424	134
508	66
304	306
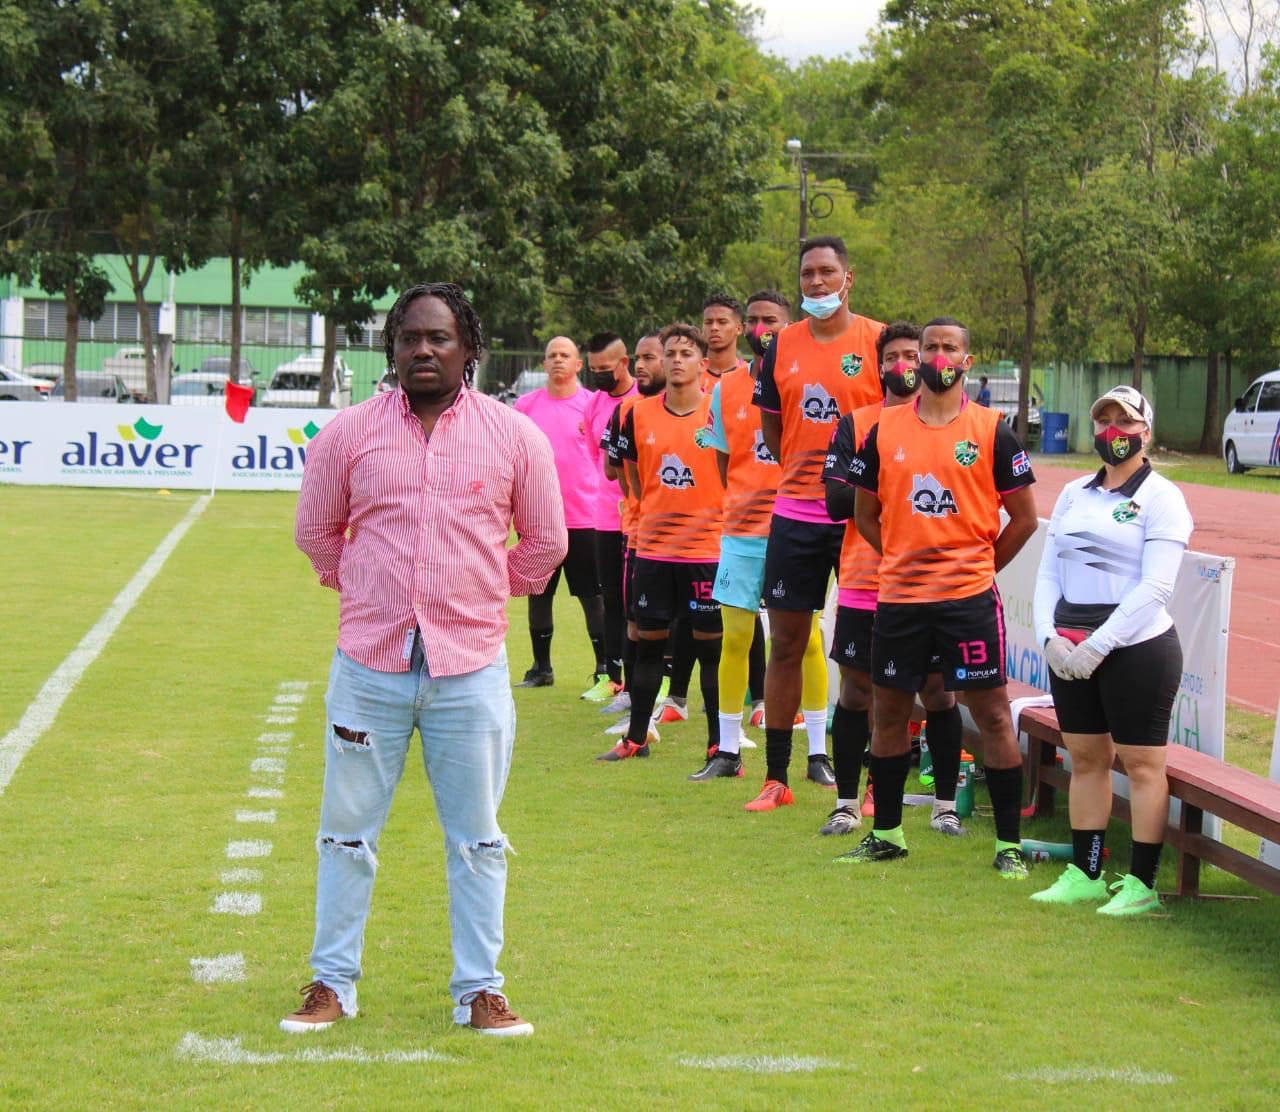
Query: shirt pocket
475	490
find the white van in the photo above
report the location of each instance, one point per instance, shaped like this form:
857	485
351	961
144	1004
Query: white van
297	384
1251	432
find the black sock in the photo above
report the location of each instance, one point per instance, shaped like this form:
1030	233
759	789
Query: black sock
684	656
849	732
777	753
888	781
709	681
945	729
644	688
1086	851
628	663
541	639
1004	785
593	612
1146	860
756	663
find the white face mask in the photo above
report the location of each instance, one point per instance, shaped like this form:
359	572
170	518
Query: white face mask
821	307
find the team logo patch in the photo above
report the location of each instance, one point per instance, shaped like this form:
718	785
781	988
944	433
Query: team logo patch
930	498
1021	464
899	455
674	474
966	453
761	449
851	651
890	669
742	413
851	365
909	379
643	600
947	375
766	338
700	438
1120	447
1126	511
817	405
794	369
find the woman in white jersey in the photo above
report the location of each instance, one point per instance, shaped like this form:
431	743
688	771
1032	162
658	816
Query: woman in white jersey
1110	560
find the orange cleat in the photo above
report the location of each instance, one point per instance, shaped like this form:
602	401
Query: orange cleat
625	750
869	803
673	712
774	794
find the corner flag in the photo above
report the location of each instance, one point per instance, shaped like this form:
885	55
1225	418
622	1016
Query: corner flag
237	401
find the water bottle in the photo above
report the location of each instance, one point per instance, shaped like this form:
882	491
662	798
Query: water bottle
926	758
964	785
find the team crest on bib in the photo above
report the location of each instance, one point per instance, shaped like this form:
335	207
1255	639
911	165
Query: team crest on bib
817	405
851	365
1126	511
930	498
966	453
673	473
700	438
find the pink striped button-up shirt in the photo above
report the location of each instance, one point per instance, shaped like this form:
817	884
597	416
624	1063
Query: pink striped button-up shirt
412	533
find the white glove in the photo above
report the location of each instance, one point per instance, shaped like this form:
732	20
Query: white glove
1083	661
1056	651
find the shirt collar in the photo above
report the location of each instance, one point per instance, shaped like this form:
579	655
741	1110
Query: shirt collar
1131	484
458	403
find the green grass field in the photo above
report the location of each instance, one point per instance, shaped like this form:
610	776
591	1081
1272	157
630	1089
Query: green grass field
671	949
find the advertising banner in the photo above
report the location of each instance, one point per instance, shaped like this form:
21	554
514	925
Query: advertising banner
178	447
1270	851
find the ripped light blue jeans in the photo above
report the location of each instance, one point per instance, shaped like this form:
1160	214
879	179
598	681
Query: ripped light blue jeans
467	724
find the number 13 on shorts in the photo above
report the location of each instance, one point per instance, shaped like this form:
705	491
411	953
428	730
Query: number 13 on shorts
973	652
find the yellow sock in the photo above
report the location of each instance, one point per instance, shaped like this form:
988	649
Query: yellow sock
813	671
739	629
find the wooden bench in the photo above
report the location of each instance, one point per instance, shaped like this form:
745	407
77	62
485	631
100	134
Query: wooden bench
1202	784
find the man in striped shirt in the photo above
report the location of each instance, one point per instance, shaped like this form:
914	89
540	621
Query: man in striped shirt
406	505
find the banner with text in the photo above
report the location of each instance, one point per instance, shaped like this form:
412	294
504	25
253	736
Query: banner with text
177	447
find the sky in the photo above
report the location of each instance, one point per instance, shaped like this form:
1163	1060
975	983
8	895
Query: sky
798	29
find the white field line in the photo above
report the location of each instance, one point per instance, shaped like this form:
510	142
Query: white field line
760	1063
265	793
282	698
1128	1075
267	764
295	685
248	849
224	969
237	903
229	1052
256	816
281	719
276	737
241	876
40	715
274	750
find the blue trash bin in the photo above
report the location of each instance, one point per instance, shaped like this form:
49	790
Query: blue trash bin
1053	433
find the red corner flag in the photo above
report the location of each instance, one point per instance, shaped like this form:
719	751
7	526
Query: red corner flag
238	398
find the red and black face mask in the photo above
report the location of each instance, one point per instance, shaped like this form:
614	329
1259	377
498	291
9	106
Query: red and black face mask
759	339
902	379
1115	447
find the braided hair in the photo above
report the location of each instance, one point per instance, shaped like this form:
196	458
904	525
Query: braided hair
470	330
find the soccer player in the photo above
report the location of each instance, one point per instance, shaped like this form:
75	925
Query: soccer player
681	495
559	409
750	474
815	371
405	510
611	375
898	351
932	477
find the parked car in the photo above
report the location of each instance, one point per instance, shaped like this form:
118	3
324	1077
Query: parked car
49	372
1251	432
202	388
17	387
297	384
221	365
95	387
131	365
527	381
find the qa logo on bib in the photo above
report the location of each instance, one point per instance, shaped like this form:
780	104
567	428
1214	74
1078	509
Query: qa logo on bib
674	474
966	453
851	365
817	405
930	498
1126	511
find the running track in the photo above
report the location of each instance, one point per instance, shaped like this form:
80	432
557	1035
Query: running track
1240	523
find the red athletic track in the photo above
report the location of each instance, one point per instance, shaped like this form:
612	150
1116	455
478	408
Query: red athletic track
1240	523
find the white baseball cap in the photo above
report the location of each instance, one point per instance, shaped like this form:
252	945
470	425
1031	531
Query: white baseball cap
1128	399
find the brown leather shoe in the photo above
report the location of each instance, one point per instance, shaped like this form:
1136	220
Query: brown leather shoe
488	1013
320	1009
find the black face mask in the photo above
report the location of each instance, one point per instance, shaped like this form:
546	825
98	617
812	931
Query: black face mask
939	375
759	339
901	380
604	380
1116	447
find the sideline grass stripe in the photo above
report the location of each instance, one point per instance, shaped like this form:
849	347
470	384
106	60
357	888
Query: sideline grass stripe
760	1063
229	1052
40	715
1074	1076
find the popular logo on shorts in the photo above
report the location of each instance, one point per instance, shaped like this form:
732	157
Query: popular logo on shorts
818	405
674	474
1126	511
930	497
851	365
761	449
966	453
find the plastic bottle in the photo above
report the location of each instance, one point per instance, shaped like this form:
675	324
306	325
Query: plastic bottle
926	757
964	785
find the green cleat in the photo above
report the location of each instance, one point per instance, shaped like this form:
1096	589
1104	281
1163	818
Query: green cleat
1011	864
1132	897
602	690
870	851
663	690
1073	886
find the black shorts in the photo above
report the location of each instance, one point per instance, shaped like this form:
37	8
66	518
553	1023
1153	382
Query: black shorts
611	547
1130	696
579	566
966	636
798	563
629	582
666	590
851	642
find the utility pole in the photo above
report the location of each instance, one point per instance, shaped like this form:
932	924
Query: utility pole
795	147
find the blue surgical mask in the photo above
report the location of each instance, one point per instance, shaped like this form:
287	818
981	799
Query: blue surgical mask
821	307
